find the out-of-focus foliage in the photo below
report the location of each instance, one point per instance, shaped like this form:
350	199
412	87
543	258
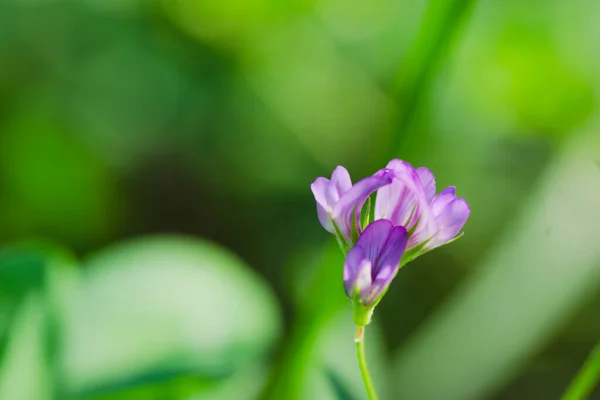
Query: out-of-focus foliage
137	134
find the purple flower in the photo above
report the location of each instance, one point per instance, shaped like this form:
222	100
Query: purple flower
373	262
409	220
411	201
405	197
339	203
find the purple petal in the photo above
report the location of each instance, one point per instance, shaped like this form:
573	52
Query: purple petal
392	251
374	239
403	198
379	285
352	267
427	214
441	200
352	201
340	179
397	201
399	165
450	221
383	247
328	193
325	219
319	189
428	182
429	225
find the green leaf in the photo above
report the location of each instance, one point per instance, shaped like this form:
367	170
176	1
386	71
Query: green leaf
412	254
344	247
366	213
354	229
412	230
159	307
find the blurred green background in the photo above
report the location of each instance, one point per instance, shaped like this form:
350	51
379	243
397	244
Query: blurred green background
159	239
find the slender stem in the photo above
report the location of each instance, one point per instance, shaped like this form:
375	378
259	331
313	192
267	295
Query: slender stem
362	363
586	379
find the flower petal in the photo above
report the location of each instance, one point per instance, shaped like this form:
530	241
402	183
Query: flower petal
395	202
340	179
405	202
351	202
374	239
328	193
392	251
352	268
379	286
383	246
398	200
319	189
450	221
428	182
441	200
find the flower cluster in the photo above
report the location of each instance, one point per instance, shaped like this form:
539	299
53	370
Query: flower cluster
408	219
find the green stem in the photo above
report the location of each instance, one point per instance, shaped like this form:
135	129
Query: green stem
362	363
586	379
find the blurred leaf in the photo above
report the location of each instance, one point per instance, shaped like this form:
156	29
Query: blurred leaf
35	278
27	268
587	378
541	270
24	372
154	308
339	387
243	385
176	388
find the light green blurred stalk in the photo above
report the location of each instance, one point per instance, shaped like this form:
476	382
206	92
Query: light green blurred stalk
587	378
440	30
542	269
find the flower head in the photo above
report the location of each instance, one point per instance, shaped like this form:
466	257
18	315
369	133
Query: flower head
373	262
409	220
